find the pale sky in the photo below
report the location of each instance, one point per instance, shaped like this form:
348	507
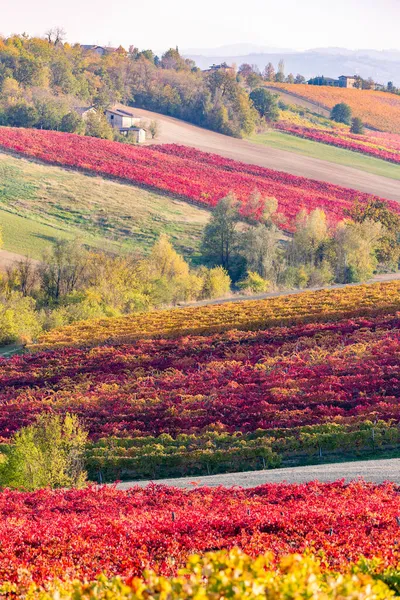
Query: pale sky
160	24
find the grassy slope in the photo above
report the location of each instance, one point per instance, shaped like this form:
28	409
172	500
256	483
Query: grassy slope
291	143
40	203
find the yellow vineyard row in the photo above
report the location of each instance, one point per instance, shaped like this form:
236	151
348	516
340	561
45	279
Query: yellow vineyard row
305	307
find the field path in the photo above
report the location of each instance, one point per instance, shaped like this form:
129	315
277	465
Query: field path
174	131
376	471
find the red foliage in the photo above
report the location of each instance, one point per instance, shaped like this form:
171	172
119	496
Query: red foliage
79	534
198	176
368	144
283	377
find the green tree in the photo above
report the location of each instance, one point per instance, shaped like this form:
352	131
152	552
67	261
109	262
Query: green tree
49	453
220	241
21	115
72	122
341	113
357	126
266	103
97	126
280	76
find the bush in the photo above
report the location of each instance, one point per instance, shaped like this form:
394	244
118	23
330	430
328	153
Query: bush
255	283
216	282
49	453
18	320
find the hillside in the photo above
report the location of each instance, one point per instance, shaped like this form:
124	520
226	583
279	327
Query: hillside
221	388
378	110
179	170
365	174
40	203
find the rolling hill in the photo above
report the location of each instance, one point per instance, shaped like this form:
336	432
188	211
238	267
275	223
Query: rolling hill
196	176
40	203
378	110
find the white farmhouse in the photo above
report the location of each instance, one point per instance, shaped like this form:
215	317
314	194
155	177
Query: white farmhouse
121	118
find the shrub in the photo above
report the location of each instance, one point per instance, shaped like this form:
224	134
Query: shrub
18	320
49	453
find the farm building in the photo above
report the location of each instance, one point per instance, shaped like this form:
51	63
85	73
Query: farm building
85	111
347	81
137	133
100	50
121	118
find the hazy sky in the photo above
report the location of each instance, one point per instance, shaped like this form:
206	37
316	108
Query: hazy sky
160	24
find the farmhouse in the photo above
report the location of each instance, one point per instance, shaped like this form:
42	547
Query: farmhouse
100	50
344	81
121	118
347	81
222	67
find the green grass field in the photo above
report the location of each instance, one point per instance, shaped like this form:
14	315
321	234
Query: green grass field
291	143
41	203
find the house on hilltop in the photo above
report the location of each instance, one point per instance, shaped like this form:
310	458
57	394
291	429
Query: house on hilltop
100	50
344	81
222	67
347	81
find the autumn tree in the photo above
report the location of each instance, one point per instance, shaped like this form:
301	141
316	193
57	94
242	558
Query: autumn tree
388	250
269	72
355	247
63	269
310	236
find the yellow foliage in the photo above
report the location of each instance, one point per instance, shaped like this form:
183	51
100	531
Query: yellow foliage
221	575
251	315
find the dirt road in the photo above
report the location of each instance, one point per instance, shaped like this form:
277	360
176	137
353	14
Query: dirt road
7	259
179	132
376	471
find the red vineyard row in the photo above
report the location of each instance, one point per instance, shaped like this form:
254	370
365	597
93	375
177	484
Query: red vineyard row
363	144
280	378
189	173
82	533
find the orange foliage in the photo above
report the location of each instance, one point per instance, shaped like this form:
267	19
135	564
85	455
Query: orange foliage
379	110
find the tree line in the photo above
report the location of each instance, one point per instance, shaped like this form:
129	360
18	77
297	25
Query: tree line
44	80
238	252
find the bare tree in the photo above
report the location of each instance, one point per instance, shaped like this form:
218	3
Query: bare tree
55	35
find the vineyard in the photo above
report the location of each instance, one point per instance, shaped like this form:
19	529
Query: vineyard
81	534
191	174
385	147
305	307
308	374
379	110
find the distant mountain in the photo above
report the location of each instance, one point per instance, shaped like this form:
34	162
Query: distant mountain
382	66
236	49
